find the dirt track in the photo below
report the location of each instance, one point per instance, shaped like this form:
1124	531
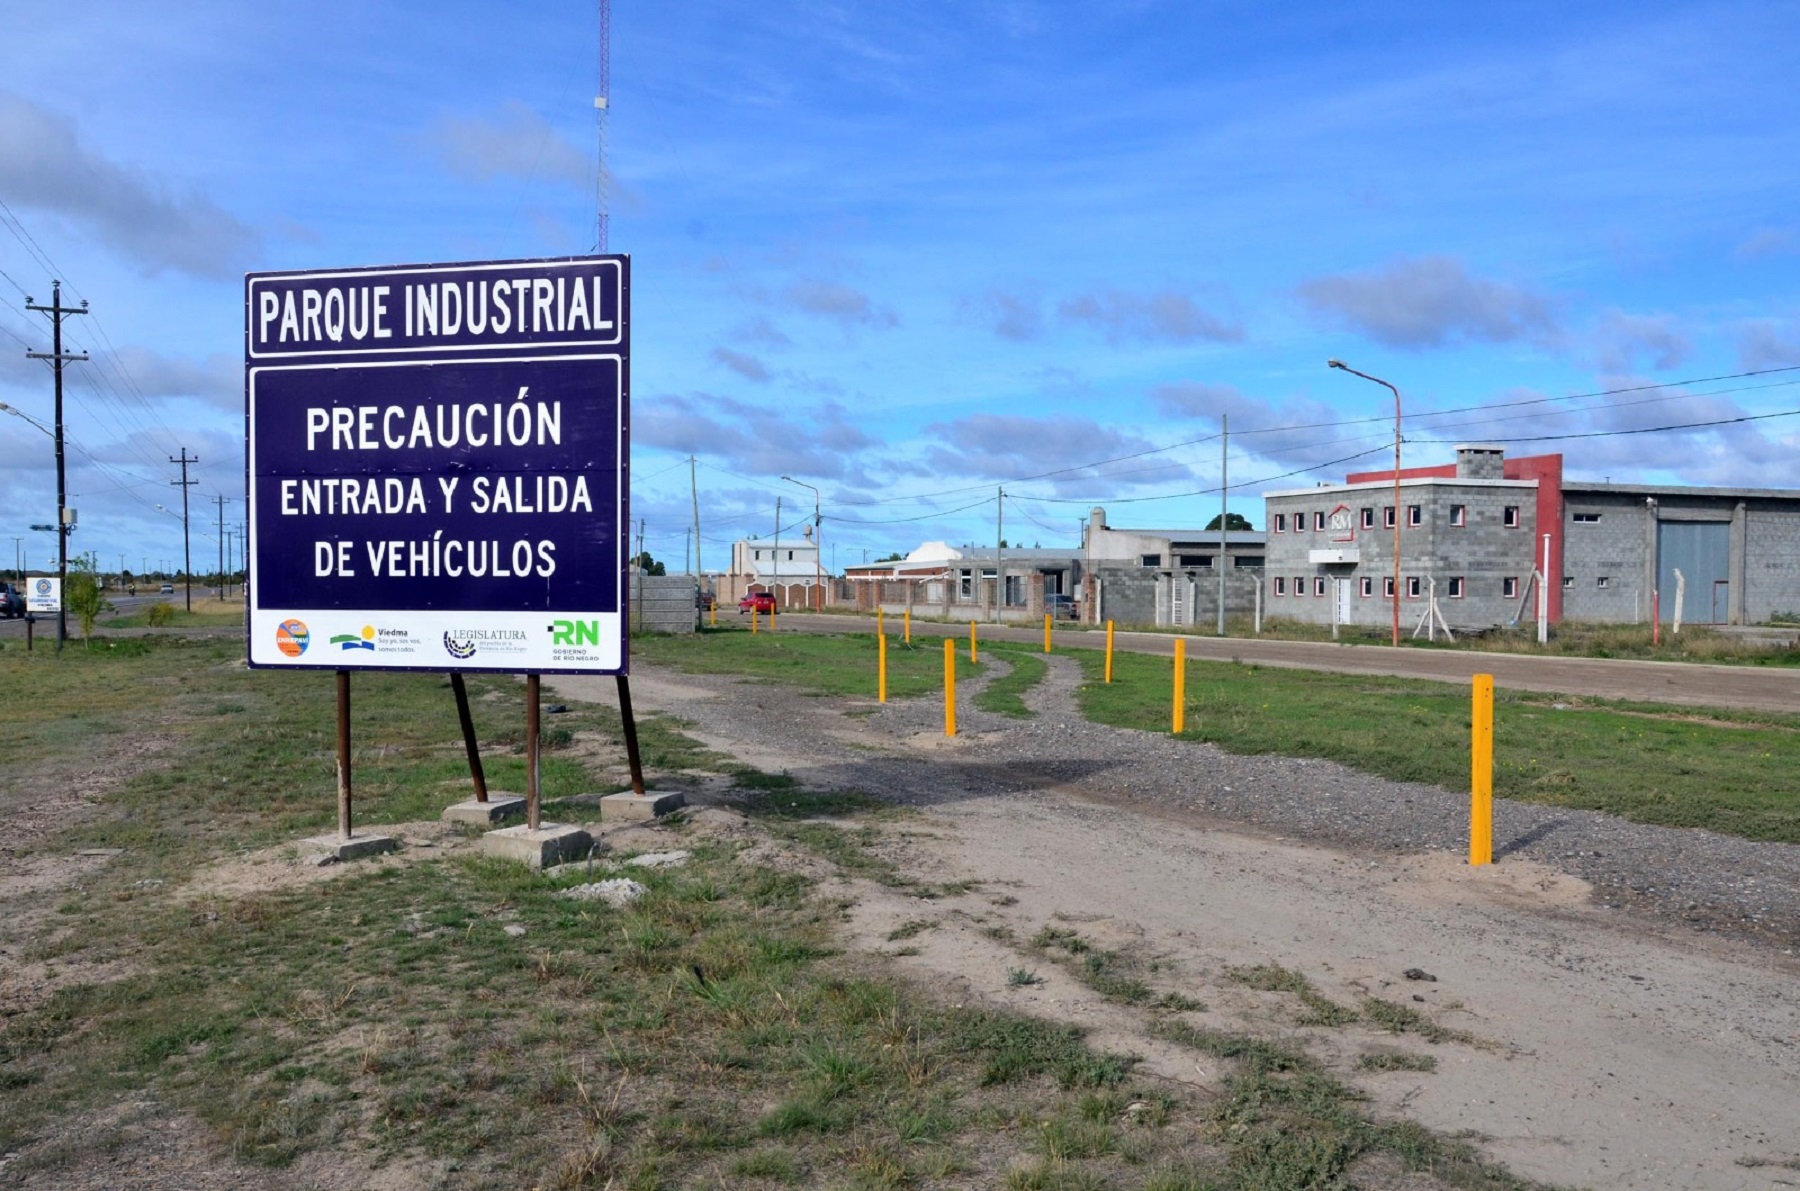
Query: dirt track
1650	682
1610	1049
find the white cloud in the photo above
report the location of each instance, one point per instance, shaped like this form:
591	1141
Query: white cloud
43	166
1165	317
514	142
835	300
1429	301
1623	339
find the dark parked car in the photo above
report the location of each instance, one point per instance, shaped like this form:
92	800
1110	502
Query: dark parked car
757	601
12	604
1061	607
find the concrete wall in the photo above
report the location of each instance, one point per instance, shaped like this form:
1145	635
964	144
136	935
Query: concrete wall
1145	595
664	603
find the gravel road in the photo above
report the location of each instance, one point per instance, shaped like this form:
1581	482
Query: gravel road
1764	689
1696	880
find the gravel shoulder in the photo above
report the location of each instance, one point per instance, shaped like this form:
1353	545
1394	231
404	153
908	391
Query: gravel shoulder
1630	988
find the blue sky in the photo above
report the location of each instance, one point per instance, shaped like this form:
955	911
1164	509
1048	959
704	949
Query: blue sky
911	253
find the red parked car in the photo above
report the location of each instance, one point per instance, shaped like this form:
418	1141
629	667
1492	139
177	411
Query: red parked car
757	601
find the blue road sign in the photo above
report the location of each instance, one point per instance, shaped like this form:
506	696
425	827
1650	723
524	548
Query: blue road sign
437	466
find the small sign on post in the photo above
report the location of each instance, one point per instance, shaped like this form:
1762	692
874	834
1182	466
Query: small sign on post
43	596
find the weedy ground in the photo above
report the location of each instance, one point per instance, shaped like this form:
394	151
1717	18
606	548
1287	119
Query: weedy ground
462	1012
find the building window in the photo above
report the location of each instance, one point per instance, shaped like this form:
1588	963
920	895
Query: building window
790	556
1603	581
1415	516
1459	514
1509	516
1150	560
1509	588
1246	560
1318	522
1456	587
1280	585
1414	586
1587	518
966	586
1318	585
1387	516
1387	587
1368	518
1203	561
1281	523
1568	582
1299	585
759	556
1368	584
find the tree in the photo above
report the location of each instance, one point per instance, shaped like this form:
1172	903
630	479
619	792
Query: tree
1233	523
896	556
81	595
649	565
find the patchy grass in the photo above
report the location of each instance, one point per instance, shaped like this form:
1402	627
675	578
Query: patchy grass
1730	772
1695	643
1005	695
1316	1008
842	665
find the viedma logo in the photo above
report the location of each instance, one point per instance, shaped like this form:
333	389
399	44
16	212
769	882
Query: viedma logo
575	632
363	640
292	637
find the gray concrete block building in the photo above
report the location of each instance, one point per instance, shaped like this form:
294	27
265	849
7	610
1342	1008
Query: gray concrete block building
1167	576
1480	533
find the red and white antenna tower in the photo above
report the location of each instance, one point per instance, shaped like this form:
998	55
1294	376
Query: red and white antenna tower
602	102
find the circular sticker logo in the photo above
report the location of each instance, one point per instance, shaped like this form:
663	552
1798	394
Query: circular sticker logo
291	637
43	587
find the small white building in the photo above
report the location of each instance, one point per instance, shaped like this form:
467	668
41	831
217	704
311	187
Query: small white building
789	567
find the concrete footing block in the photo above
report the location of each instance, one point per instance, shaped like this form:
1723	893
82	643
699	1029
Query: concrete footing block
628	806
497	809
551	844
333	847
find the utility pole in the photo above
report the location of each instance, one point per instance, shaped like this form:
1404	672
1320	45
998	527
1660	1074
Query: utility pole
19	559
694	488
999	553
222	500
775	554
187	552
57	357
229	556
1224	516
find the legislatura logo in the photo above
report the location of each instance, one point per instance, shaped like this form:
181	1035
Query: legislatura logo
292	637
460	650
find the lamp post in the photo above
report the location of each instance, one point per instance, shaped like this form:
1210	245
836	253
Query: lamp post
818	576
1396	392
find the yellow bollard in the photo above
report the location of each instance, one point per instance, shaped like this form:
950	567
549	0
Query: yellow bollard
878	623
753	620
1481	775
909	626
973	656
949	687
1180	684
1046	632
1109	627
881	669
772	611
715	614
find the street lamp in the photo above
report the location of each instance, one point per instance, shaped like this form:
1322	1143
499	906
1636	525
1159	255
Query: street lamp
818	576
1396	392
